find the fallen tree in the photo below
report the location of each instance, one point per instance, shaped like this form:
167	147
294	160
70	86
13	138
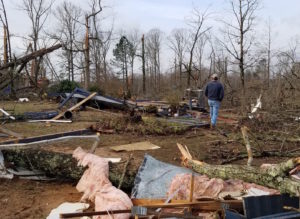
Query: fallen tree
275	176
63	166
25	59
11	70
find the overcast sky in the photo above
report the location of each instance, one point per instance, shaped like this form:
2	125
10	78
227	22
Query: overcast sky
169	14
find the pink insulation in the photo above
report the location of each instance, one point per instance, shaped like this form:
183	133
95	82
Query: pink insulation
96	186
209	188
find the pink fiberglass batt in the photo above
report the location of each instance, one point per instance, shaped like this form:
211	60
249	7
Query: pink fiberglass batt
96	186
205	187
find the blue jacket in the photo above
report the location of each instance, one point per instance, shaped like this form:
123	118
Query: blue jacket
214	91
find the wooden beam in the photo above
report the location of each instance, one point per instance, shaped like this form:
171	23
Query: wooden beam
96	213
213	205
75	106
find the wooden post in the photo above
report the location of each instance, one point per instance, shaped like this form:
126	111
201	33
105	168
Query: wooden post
191	189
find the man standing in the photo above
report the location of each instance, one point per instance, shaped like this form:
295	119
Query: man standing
214	91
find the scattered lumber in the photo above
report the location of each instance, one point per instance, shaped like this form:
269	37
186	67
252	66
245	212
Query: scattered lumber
144	207
63	166
138	146
276	177
207	205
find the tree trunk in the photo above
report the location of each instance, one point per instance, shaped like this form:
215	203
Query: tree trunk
63	166
87	55
5	53
143	62
276	177
241	59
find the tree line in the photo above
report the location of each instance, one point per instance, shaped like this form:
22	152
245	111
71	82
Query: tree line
129	62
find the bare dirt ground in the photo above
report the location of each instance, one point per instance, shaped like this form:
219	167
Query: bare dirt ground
31	199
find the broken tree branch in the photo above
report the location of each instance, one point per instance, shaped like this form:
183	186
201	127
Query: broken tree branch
244	130
124	171
27	58
276	177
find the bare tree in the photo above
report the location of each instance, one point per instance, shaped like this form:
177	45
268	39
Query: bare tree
269	42
198	29
178	44
153	48
289	67
238	35
93	14
68	15
106	44
199	53
143	64
7	44
38	12
134	38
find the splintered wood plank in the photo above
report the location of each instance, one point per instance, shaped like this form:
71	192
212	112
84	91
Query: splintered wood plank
139	146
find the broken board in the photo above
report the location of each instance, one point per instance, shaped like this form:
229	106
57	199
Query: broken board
139	146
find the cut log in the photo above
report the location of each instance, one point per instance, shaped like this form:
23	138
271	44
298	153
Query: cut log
63	166
276	177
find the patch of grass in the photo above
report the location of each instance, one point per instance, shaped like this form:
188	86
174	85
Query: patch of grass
148	126
17	108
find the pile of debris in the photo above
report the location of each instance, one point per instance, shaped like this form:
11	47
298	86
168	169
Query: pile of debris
154	188
164	190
